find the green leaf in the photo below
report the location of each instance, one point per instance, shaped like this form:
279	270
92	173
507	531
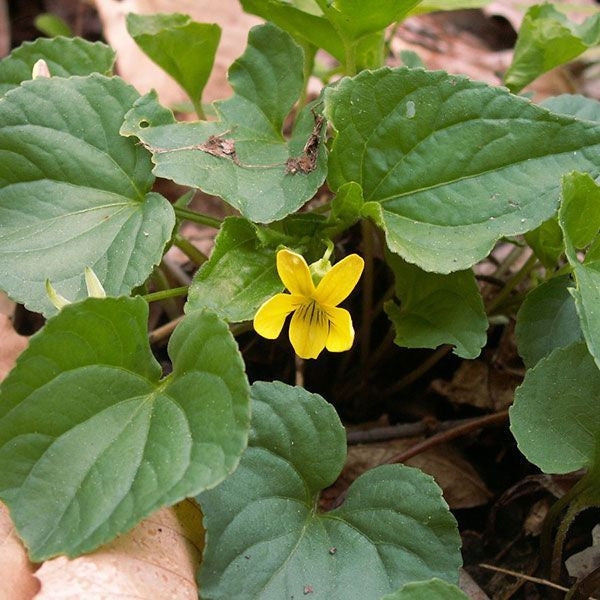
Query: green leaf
52	25
546	40
239	276
428	6
266	537
342	27
547	320
357	18
304	21
74	193
448	165
574	105
434	589
546	241
183	48
437	309
555	417
243	157
91	441
64	57
579	219
346	206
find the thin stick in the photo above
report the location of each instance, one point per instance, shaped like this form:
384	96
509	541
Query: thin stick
446	436
402	430
538	580
164	331
417	373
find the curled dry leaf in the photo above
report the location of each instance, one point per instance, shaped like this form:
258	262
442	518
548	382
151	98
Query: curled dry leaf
156	560
462	486
17	581
478	384
136	68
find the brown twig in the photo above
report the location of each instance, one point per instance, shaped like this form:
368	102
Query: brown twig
402	430
538	580
450	434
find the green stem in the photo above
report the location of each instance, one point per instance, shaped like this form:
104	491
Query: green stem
196	217
165	294
309	62
367	292
512	283
350	52
554	513
199	109
189	249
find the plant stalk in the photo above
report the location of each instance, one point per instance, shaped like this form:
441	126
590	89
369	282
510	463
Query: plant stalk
196	217
189	249
166	294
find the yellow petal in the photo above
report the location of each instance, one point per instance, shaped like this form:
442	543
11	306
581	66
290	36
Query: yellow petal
341	332
308	330
340	280
294	273
270	317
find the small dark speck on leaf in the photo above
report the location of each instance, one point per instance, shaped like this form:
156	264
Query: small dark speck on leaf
308	589
247	557
160	529
144	124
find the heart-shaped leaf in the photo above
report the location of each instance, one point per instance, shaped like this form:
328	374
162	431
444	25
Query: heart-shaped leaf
579	219
434	589
448	165
183	48
267	538
64	57
239	276
547	320
555	417
437	309
574	105
546	40
74	193
92	441
243	157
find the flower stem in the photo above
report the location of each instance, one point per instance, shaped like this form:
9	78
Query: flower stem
512	283
196	217
165	294
189	249
367	292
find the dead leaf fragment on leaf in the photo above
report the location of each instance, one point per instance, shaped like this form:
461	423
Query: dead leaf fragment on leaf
17	581
156	560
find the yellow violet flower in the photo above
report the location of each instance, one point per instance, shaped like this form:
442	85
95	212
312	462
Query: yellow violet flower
317	321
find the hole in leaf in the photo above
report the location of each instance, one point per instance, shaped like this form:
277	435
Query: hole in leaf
144	123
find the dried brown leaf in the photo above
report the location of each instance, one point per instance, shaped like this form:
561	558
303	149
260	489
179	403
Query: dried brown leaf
462	486
17	581
478	384
136	68
156	560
